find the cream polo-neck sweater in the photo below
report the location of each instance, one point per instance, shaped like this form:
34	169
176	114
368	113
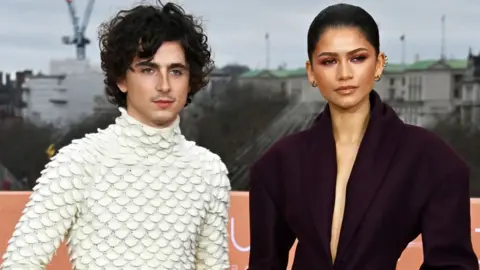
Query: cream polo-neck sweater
127	197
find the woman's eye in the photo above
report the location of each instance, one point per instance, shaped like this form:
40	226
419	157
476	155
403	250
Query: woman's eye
328	62
359	58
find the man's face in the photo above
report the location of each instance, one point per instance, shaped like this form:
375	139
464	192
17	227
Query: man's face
157	88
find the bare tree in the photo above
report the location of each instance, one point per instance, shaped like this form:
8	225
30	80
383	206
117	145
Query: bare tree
90	124
23	148
465	140
238	115
23	145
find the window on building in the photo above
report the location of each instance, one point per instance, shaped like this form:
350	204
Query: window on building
457	93
416	92
415	88
469	93
392	81
420	88
391	93
458	78
412	86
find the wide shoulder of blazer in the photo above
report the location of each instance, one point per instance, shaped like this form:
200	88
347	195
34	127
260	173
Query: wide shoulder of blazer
423	144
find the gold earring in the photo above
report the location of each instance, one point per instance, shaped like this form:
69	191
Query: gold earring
314	84
378	77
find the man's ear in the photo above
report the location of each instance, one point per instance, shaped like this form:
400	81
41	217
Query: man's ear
122	85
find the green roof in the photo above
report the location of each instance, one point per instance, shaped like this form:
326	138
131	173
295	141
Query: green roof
390	68
426	64
251	73
298	72
279	73
394	68
458	64
423	64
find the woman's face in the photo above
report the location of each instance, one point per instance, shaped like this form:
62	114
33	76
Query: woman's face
344	66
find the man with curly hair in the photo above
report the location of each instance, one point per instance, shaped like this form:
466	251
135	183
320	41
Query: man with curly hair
136	195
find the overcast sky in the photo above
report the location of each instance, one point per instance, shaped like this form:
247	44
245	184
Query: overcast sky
31	30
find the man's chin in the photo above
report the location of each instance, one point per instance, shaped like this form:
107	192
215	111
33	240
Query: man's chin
164	118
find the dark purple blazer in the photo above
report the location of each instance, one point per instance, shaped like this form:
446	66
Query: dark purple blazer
405	181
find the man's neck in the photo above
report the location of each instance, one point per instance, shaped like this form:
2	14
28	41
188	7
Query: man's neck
143	120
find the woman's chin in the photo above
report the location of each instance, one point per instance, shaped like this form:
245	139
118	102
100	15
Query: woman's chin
346	102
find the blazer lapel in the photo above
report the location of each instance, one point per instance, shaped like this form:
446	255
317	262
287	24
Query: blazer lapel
375	155
319	176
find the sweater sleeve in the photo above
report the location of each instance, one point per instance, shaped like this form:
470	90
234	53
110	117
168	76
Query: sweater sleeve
50	212
212	251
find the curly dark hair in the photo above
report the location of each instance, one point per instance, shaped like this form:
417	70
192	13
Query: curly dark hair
140	31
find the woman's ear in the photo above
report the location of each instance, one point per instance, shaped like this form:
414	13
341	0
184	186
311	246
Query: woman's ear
382	60
309	68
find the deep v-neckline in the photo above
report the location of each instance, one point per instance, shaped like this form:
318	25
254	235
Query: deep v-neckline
345	163
372	161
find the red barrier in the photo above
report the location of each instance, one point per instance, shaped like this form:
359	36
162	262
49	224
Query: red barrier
12	204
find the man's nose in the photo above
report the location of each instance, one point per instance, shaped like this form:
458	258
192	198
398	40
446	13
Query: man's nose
163	83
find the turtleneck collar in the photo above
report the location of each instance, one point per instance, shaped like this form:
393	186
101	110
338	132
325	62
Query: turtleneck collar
134	134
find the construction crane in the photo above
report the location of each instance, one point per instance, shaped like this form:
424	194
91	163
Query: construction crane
78	39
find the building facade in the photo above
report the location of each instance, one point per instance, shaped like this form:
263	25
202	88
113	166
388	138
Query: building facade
469	105
11	91
69	93
425	91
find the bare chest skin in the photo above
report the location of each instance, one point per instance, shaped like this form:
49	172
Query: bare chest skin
346	154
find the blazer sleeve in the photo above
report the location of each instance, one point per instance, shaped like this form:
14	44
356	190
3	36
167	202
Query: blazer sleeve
446	225
270	236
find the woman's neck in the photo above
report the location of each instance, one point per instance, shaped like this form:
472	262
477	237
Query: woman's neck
349	125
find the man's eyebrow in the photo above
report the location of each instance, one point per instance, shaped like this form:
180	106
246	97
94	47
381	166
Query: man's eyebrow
177	65
151	64
146	63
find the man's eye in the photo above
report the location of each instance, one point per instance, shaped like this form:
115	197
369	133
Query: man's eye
147	70
176	72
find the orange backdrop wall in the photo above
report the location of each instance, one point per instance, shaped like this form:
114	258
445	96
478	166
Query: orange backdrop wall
12	203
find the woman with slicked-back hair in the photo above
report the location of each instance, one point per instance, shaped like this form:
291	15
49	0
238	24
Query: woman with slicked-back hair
358	186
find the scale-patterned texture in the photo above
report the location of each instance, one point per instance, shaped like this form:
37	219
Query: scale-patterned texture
127	197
